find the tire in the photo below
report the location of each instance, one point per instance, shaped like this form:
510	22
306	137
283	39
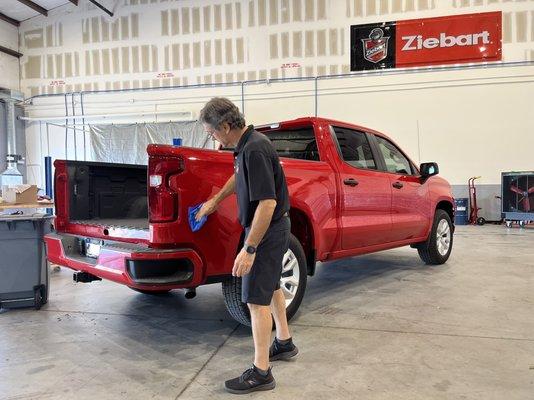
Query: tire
152	292
432	252
231	287
481	221
38	298
46	293
508	224
45	269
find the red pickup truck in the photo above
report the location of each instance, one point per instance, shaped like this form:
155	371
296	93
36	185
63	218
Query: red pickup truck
352	192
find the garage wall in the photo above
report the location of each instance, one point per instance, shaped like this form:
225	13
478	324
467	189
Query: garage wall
151	43
9	79
9	65
468	120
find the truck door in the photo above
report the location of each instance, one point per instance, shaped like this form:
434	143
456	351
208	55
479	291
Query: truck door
409	207
365	191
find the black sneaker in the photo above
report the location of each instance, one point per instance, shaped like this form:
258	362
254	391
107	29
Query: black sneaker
250	381
279	351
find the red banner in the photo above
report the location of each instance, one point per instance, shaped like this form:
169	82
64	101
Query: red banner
449	40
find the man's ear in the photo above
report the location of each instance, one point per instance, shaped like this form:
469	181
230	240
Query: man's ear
225	127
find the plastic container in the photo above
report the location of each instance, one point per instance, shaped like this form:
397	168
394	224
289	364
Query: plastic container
24	275
461	216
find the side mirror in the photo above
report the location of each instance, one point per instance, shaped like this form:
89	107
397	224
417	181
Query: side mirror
429	169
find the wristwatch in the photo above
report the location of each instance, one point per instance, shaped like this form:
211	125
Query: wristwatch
249	249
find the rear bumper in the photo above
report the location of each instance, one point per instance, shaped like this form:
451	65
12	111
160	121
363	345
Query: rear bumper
133	265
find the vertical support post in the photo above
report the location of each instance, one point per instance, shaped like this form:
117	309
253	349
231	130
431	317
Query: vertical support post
66	128
83	122
49	190
243	97
316	100
47	139
48	176
74	130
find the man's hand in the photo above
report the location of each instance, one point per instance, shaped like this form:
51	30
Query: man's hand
243	263
207	208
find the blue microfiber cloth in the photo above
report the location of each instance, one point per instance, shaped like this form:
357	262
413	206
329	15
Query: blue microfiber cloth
193	223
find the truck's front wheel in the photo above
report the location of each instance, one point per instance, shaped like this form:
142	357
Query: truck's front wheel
437	249
292	283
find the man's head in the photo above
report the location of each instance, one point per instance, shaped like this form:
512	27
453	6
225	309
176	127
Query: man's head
222	121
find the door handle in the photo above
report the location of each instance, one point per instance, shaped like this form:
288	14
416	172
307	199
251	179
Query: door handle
351	182
398	185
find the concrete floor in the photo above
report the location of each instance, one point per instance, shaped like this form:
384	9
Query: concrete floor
382	326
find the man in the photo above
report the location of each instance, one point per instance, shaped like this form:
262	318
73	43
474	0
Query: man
263	203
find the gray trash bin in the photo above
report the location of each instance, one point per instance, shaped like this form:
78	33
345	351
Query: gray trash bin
24	275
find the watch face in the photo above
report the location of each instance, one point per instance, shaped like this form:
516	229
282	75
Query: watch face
250	249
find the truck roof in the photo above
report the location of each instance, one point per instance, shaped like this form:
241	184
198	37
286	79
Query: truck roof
329	121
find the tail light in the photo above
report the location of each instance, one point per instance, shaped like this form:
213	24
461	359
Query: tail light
162	200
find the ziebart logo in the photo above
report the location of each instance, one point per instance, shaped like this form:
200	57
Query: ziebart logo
375	48
454	39
417	42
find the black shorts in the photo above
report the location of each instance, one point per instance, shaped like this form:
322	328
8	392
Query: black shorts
264	277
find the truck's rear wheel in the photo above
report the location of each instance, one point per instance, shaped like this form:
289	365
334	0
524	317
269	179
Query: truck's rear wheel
437	249
292	283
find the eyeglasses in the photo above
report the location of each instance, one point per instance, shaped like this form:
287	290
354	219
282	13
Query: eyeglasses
211	134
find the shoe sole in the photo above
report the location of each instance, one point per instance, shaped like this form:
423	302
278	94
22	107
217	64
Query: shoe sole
266	386
285	356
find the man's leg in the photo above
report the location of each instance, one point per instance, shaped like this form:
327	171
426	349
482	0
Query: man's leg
261	332
282	347
278	309
259	377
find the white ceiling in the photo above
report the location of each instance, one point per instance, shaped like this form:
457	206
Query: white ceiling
20	12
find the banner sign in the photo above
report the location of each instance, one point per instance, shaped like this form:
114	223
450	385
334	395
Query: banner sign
453	39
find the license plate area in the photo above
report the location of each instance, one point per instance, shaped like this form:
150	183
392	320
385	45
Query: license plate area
91	248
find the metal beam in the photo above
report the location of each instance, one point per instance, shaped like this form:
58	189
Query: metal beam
96	3
10	52
35	7
12	21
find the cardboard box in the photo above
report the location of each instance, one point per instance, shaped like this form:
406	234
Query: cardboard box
20	194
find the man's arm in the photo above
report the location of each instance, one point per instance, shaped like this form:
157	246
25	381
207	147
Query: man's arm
211	205
261	221
227	190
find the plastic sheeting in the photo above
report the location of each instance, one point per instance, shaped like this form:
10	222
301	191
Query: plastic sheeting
127	143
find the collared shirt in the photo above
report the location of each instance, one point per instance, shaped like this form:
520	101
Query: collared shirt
259	176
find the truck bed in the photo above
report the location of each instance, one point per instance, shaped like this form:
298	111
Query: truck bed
107	195
130	223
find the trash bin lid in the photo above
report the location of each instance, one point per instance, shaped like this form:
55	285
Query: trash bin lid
25	217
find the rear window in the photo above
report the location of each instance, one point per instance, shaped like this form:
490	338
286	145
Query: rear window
295	143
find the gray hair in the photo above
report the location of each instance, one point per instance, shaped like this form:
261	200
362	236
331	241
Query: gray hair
219	110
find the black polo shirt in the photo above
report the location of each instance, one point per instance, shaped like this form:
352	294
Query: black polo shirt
259	176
